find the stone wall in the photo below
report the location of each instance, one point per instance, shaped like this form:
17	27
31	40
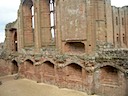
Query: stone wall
119	26
5	67
109	80
92	23
87	53
105	73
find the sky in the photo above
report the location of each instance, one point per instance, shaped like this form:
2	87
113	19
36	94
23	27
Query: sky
8	12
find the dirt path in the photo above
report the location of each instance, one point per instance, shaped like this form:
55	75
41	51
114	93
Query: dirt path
25	87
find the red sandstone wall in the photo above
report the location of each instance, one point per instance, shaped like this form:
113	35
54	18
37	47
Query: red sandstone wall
122	27
5	67
71	24
45	26
72	76
109	80
27	24
126	23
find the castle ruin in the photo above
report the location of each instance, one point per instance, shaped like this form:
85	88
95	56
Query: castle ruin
79	45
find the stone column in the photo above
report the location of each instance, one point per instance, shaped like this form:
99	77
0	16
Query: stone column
109	26
58	34
91	34
20	31
37	34
126	24
116	33
7	38
100	22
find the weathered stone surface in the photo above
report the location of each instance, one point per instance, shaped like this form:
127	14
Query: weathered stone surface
88	50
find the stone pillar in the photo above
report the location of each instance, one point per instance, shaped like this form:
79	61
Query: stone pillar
91	34
20	33
126	93
116	33
10	39
100	22
58	23
20	30
7	40
126	24
37	34
122	28
109	26
45	27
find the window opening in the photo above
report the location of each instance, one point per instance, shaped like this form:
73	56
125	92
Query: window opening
116	21
32	10
52	18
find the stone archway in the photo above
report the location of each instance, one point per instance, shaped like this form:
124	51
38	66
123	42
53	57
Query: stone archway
29	65
109	81
29	69
74	72
48	73
109	75
15	67
74	76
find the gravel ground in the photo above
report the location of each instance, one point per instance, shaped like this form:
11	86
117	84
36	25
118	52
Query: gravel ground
25	87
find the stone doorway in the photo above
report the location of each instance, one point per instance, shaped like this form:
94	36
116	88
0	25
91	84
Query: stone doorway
15	67
48	72
74	76
29	68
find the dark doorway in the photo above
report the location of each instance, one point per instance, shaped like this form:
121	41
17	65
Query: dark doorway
15	67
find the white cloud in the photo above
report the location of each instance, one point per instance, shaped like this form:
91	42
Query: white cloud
8	13
2	36
119	3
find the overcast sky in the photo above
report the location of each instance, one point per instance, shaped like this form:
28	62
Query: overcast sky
8	12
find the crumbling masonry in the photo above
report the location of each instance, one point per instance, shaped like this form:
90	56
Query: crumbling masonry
77	44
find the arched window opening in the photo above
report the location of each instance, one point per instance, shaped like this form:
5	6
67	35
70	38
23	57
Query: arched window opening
74	72
109	75
28	22
74	47
33	22
15	67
